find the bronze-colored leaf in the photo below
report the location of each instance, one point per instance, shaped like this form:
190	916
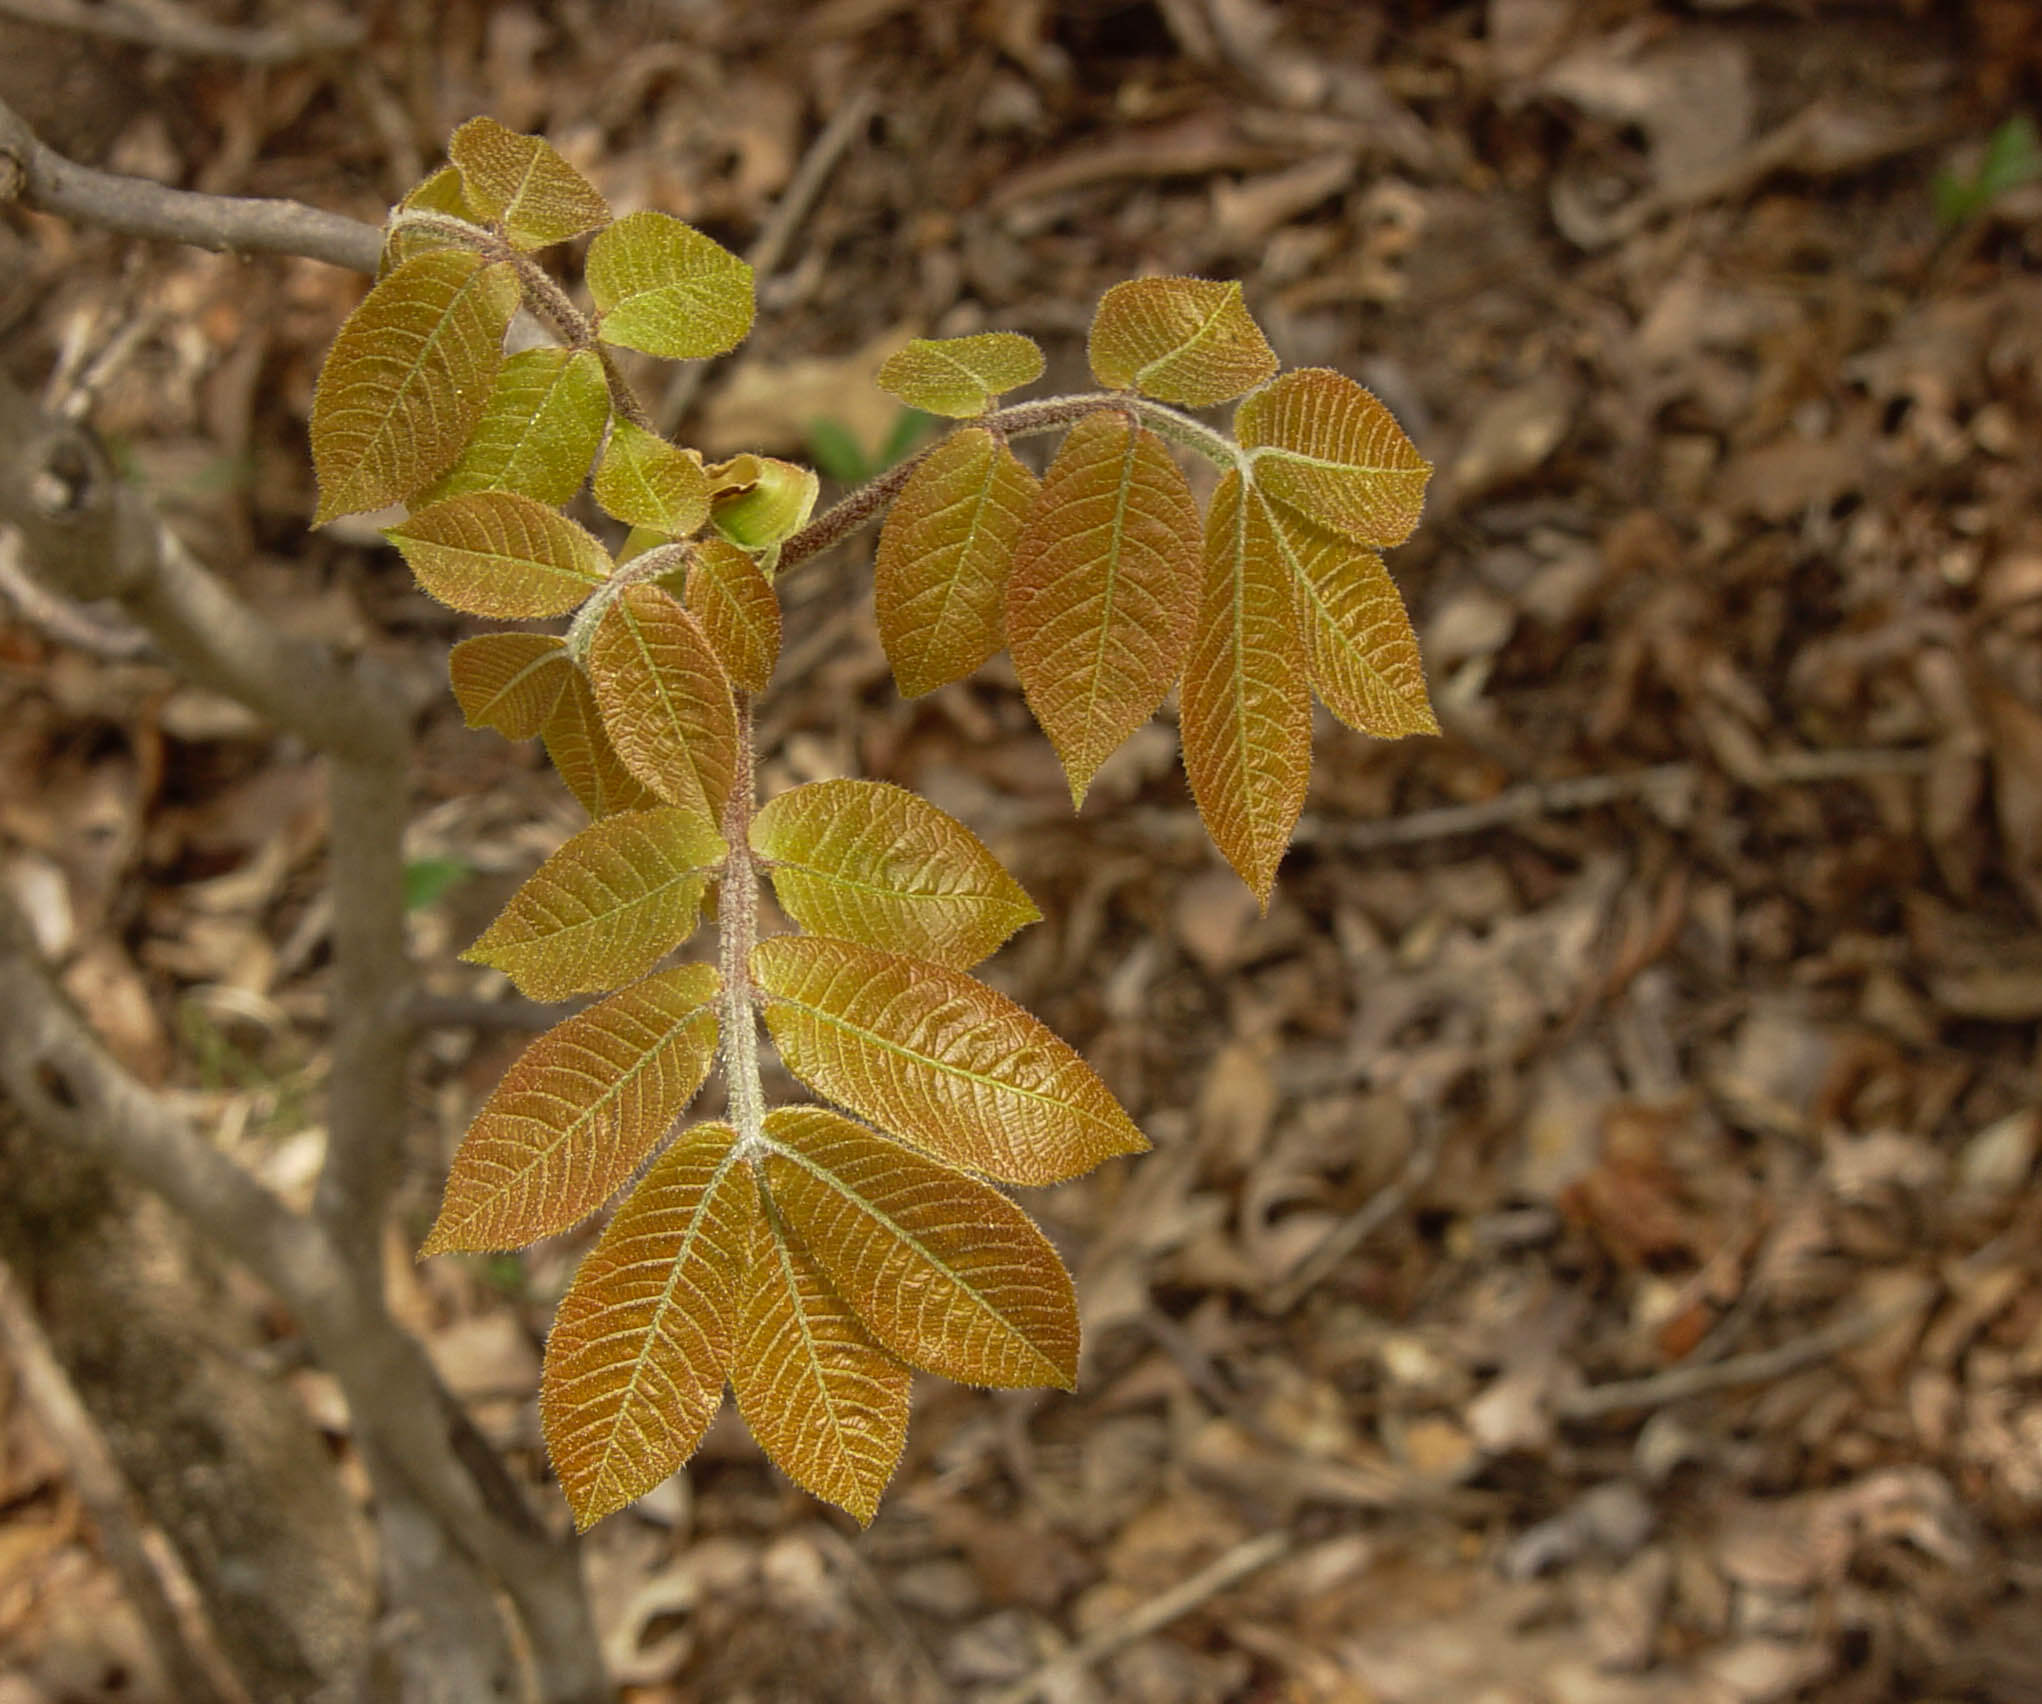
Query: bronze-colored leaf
960	376
1327	447
939	586
509	681
943	1270
1190	341
572	1119
1104	583
499	554
938	1059
665	700
538	431
729	594
522	183
641	1345
581	752
647	482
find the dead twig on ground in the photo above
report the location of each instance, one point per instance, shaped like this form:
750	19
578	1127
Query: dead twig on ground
1374	1213
160	24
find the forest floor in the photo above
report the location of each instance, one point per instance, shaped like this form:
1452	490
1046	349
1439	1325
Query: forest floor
1591	1253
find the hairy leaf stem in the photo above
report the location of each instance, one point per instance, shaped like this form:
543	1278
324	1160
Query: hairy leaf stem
737	924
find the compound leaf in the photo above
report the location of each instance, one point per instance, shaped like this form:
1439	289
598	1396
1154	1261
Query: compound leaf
1327	447
826	1403
938	1059
640	1347
664	288
944	1270
960	376
1362	653
539	429
582	753
406	379
509	681
1184	340
878	865
665	700
607	906
577	1112
500	554
1104	583
939	585
646	482
522	183
729	594
1245	713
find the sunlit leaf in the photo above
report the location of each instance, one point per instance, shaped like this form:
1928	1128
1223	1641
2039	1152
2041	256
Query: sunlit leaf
641	1345
1327	447
509	681
939	585
771	504
1245	711
729	594
522	183
875	864
960	376
582	753
943	1270
1184	340
607	906
663	287
539	429
577	1112
665	700
1362	652
440	193
1104	583
499	554
406	379
646	482
826	1403
938	1059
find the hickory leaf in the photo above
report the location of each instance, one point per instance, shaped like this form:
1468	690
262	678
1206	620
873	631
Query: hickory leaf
662	287
638	1353
571	1120
827	1404
1245	712
1328	448
406	379
943	1270
522	184
666	702
645	482
729	594
938	1059
1189	341
1100	598
878	865
499	554
960	376
939	584
539	428
607	906
509	681
582	753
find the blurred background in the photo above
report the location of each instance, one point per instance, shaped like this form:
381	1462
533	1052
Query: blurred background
1591	1240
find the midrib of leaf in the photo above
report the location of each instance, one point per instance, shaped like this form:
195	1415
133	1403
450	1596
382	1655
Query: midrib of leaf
978	509
1303	581
666	702
1278	452
525	672
412	368
1212	320
776	1234
1118	530
620	903
920	896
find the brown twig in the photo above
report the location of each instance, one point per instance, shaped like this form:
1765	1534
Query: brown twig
1374	1213
162	25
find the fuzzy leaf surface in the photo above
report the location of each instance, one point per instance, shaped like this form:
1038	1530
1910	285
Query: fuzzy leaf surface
867	862
664	288
539	429
577	1112
1328	448
499	554
939	583
938	1059
607	906
646	482
641	1345
960	376
522	183
943	1270
729	594
825	1402
666	702
406	379
509	681
582	753
440	193
1104	583
1189	341
1245	712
